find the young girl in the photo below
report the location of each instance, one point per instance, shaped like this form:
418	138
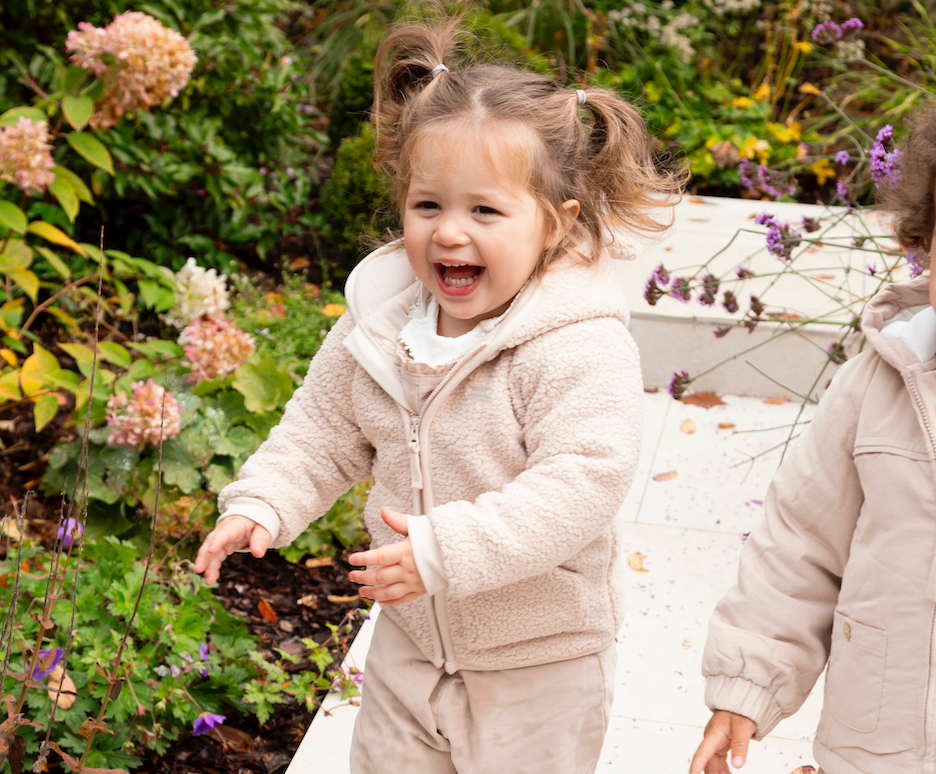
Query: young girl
844	567
484	376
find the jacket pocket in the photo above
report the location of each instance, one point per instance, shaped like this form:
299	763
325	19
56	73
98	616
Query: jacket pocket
545	605
855	678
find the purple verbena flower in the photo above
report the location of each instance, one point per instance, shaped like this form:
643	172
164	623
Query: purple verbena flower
852	24
681	290
730	303
743	273
652	292
678	383
872	269
70	531
885	165
781	237
916	266
206	721
842	158
770	186
841	190
836	352
660	275
826	32
744	169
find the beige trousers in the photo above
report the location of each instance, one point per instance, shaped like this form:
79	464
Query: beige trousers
416	719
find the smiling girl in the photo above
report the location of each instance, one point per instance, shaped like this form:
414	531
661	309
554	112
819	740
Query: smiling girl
484	377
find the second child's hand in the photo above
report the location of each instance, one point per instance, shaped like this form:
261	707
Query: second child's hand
395	578
726	733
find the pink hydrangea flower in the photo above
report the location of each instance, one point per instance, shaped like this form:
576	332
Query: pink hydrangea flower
214	346
150	62
26	155
136	418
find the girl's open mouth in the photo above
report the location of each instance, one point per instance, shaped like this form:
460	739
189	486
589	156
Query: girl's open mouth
458	280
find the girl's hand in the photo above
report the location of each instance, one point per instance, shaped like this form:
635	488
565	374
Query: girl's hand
396	578
232	534
725	732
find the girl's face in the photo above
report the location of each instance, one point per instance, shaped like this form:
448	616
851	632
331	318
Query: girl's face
472	238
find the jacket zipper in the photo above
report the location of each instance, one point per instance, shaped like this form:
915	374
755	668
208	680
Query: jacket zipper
437	606
929	710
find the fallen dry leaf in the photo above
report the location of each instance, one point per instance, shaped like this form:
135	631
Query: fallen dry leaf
703	399
308	600
688	426
299	263
783	316
10	529
665	476
725	425
278	310
323	561
69	691
775	401
651	390
274	297
335	599
266	611
636	562
232	738
697	201
686	643
822	276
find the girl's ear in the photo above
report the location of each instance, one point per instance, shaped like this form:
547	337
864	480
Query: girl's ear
568	214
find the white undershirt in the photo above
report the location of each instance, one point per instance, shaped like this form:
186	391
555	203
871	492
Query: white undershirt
916	327
421	338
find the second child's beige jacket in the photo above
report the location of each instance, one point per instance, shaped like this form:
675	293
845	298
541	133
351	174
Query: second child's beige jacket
844	568
520	458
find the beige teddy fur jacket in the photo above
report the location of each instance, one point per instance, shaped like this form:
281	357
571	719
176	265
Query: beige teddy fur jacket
518	458
841	575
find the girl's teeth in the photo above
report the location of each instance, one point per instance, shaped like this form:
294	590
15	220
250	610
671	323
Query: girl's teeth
459	282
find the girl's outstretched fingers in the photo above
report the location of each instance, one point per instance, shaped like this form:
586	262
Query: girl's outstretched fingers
231	534
395	520
725	733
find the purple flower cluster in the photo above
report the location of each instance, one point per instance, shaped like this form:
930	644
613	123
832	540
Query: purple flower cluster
764	179
885	165
842	158
829	31
678	383
730	303
681	290
836	353
781	237
70	532
916	265
841	190
206	721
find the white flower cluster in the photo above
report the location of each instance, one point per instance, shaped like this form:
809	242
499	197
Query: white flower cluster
673	39
726	7
139	60
199	292
636	16
26	155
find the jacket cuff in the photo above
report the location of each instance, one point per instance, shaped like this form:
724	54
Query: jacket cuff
256	510
426	553
735	694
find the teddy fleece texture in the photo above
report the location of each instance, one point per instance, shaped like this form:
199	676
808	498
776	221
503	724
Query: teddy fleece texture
843	569
520	459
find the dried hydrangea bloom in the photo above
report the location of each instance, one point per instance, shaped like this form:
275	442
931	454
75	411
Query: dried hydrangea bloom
140	61
136	418
199	292
26	155
215	347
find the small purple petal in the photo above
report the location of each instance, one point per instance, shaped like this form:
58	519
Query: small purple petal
205	722
203	651
39	673
70	531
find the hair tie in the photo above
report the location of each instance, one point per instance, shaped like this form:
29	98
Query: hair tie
582	97
439	68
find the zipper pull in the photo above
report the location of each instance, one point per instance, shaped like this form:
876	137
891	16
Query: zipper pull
415	469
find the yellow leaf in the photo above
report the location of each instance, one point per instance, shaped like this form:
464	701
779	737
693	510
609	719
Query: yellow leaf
763	92
753	146
54	235
35	370
803	46
9	386
823	170
742	102
791	133
333	310
10	356
808	88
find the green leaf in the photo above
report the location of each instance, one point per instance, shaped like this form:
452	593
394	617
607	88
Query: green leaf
91	149
78	110
62	190
179	468
263	385
157	348
12	116
44	411
12	217
114	353
156	296
207	387
126	301
9	386
55	262
64	379
141	369
78	352
20	252
74	77
81	190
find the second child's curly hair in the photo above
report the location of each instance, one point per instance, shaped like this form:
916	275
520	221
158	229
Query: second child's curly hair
910	200
599	154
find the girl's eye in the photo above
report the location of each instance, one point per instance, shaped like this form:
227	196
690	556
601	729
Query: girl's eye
427	206
486	210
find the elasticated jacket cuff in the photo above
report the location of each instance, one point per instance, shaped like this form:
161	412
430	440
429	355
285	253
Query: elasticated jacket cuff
256	510
735	694
426	553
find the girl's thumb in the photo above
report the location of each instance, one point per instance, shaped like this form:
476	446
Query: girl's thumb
395	520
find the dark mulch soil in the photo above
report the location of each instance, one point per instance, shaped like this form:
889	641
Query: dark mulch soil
242	745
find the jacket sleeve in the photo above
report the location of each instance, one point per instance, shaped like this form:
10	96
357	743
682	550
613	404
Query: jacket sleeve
578	396
769	637
316	452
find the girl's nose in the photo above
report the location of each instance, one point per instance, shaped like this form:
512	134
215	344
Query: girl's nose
450	231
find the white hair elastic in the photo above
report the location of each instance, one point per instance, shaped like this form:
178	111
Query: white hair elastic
439	68
582	97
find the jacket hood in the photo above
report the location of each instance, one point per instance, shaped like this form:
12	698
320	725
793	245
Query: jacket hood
884	307
382	288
